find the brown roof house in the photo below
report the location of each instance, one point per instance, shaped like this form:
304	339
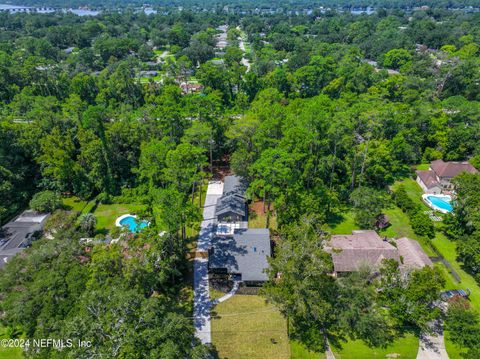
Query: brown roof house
361	248
411	254
367	248
440	175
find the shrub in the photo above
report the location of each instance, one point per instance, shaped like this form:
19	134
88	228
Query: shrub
88	222
403	201
45	201
422	225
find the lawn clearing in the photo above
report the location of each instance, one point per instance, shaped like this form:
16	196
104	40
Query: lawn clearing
300	352
246	327
449	250
258	218
405	348
107	214
74	204
344	223
453	351
400	227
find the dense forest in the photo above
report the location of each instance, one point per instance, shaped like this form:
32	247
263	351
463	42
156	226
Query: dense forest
331	110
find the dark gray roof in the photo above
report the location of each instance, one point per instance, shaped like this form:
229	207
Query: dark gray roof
245	253
234	184
231	204
16	234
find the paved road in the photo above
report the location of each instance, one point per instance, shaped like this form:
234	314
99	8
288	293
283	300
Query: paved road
201	297
244	61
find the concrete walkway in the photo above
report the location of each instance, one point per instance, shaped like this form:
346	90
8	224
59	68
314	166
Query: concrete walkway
201	297
229	295
433	346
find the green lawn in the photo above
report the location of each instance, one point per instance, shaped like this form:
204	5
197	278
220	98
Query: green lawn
446	247
345	224
107	214
260	220
449	251
246	327
453	351
8	353
300	352
406	347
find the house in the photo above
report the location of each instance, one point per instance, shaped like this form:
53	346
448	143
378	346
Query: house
361	248
411	254
232	206
19	233
440	174
243	255
366	248
190	87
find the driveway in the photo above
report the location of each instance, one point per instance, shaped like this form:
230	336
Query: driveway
201	297
433	346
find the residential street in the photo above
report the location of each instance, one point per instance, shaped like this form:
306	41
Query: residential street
201	299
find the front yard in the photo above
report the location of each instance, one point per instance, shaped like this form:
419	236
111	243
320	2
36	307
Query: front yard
404	348
246	327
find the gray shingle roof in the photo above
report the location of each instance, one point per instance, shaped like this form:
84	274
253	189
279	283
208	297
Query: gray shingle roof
245	253
234	184
231	204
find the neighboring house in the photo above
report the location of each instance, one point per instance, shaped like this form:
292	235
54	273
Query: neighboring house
366	248
439	176
19	233
190	87
411	254
361	248
243	255
232	206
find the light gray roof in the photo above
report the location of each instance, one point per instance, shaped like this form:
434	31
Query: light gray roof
245	253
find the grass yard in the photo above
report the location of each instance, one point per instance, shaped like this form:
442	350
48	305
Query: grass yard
344	224
258	219
446	247
8	353
246	327
107	214
76	204
406	347
449	251
453	351
400	227
300	352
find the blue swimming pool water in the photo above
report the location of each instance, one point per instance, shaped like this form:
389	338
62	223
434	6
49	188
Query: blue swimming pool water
132	224
440	202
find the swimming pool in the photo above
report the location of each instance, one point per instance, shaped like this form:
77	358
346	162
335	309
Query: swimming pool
440	203
130	221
